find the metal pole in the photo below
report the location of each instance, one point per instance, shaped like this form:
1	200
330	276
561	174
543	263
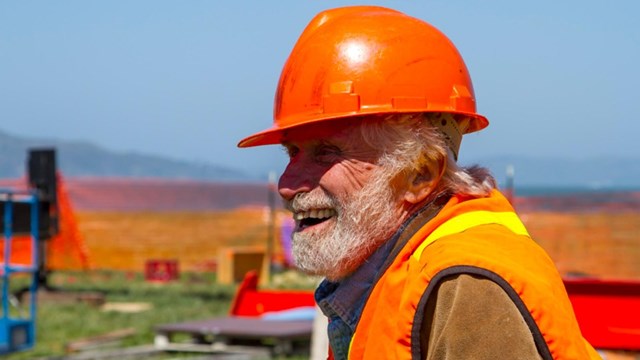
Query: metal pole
272	221
510	186
35	260
8	220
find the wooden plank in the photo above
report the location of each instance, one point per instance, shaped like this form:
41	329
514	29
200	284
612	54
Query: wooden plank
99	341
130	353
221	349
242	327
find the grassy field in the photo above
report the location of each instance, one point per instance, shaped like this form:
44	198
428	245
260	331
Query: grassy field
65	319
60	321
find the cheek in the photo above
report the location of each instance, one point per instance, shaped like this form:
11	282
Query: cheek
348	177
359	173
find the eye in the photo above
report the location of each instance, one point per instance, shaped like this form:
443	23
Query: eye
327	153
291	150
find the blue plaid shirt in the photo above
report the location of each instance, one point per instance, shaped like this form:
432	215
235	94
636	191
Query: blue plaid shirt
342	302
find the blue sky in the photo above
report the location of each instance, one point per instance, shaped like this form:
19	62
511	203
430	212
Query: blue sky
188	79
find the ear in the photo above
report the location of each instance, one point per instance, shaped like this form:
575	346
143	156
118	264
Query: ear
421	183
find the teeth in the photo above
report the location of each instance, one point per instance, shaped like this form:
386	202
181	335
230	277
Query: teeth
315	214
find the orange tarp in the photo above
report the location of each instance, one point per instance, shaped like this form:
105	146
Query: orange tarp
21	251
66	250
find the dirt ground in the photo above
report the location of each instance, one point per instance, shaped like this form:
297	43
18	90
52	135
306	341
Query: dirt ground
605	244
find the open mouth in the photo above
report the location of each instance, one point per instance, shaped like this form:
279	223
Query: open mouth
313	217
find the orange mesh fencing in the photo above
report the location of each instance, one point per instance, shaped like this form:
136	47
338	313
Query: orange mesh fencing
67	249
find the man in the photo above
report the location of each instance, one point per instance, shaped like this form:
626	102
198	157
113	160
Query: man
423	259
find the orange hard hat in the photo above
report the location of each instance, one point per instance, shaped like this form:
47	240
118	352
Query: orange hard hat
363	60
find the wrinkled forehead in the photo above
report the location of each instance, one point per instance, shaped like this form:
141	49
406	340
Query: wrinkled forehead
339	129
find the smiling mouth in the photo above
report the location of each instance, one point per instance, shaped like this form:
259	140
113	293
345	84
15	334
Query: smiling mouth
313	217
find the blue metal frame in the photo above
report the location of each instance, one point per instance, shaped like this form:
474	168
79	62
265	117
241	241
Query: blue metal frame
18	333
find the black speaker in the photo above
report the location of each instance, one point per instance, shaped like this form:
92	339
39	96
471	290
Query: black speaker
42	177
42	173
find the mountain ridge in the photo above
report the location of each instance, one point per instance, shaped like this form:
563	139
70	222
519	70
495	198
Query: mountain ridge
79	158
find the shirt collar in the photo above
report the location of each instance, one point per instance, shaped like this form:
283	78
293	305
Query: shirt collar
345	299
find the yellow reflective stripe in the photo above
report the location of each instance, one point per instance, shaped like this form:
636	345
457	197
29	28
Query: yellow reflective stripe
351	342
468	220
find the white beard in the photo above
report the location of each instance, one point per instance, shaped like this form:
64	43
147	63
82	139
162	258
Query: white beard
363	223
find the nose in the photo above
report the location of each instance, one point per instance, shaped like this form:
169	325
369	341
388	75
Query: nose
294	180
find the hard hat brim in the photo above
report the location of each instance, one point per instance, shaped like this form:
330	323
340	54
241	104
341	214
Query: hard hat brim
276	134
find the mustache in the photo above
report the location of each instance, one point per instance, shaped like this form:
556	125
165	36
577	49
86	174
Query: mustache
311	200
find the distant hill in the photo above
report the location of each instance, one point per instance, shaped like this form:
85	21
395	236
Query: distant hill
86	159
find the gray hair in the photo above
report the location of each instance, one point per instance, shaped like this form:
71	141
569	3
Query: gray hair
410	142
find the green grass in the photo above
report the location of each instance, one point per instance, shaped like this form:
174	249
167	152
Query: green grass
193	297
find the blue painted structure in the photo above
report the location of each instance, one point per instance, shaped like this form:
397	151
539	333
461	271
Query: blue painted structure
17	328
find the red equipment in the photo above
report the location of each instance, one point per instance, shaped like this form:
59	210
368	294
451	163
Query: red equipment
249	301
608	311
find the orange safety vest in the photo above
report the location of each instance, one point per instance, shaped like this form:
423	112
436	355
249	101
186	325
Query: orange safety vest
469	236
